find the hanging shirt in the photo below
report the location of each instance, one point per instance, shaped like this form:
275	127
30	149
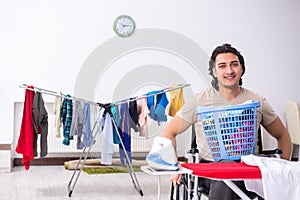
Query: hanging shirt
77	118
134	117
86	131
157	102
106	137
143	113
57	110
176	101
77	122
151	96
25	141
160	107
66	118
40	124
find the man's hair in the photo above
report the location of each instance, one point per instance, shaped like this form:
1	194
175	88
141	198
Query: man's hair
225	48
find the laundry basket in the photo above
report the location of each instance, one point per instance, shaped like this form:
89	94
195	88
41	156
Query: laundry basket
230	131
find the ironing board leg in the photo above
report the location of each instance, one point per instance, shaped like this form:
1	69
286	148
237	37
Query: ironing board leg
158	188
236	189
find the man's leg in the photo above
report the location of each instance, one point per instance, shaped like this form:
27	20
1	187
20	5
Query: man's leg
220	191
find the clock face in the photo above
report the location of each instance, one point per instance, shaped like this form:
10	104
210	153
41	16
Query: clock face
124	26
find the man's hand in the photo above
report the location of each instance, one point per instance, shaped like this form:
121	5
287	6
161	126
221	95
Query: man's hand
176	179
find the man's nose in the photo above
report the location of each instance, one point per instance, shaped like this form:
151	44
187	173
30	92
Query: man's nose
229	69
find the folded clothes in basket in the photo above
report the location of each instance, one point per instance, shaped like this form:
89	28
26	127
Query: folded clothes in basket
230	131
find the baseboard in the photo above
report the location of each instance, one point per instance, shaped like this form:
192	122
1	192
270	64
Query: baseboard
59	160
5	158
45	161
5	147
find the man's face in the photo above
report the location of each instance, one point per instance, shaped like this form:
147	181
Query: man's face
228	70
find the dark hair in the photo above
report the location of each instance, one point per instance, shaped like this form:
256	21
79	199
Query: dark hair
225	48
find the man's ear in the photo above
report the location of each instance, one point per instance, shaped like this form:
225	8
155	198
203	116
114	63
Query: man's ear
242	72
214	72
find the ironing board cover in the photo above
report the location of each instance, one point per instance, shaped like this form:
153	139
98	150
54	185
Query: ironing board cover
231	170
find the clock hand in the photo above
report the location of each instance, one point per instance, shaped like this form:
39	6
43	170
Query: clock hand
125	25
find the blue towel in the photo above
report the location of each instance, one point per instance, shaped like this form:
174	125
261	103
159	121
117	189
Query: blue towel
125	133
116	117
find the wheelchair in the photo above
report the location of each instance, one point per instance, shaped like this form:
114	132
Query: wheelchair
189	189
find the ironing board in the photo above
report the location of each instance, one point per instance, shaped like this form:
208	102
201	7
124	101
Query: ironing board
147	169
226	172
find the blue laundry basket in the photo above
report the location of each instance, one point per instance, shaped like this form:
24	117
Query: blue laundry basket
230	131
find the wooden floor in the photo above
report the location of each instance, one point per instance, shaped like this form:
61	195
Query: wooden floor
50	182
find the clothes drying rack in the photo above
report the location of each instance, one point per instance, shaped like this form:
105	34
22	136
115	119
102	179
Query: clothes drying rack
81	162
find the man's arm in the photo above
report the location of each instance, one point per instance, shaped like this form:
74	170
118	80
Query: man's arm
278	131
174	127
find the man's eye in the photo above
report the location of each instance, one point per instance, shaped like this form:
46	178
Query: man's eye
235	64
222	66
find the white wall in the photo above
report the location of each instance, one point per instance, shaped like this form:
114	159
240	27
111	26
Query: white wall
45	43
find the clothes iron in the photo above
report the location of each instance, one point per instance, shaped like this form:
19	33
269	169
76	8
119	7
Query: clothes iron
162	155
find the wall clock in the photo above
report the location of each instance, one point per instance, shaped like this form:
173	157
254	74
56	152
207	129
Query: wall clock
124	26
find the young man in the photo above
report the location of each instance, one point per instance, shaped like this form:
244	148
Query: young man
226	66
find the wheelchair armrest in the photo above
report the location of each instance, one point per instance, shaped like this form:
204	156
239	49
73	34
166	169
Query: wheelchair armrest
194	150
271	153
274	151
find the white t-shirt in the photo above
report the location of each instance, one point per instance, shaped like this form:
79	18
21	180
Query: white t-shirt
210	97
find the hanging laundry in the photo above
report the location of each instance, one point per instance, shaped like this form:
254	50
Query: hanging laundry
57	110
40	124
86	130
151	96
161	104
116	115
125	134
176	101
106	137
134	118
143	113
157	102
77	122
25	141
66	118
77	118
